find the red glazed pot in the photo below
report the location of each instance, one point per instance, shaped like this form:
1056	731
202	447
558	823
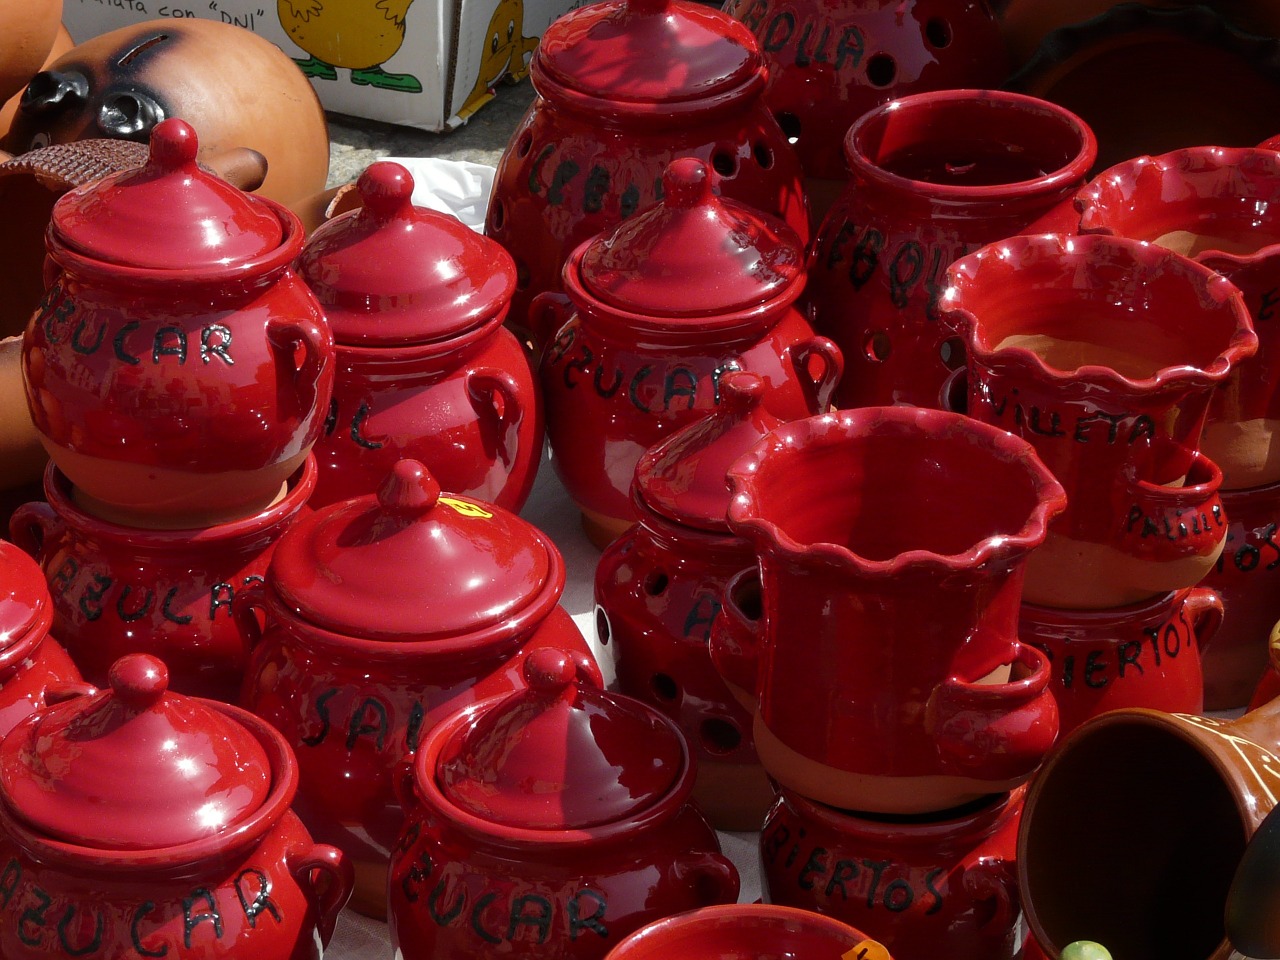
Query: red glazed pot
934	176
358	661
425	368
118	590
1215	205
549	823
177	369
1143	655
659	588
1104	353
624	88
655	330
33	667
925	887
747	931
891	678
136	823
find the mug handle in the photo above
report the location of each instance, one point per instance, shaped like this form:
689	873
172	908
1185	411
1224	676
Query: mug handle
243	604
403	784
548	312
817	390
495	393
1205	610
953	395
285	335
327	878
31	526
991	879
738	667
712	876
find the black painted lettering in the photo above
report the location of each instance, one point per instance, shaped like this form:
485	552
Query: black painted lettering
1267	305
10	877
1172	640
369	718
66	575
595	921
814	866
1268	540
904	272
91	598
1068	671
565	172
446	916
844	870
630	201
700	616
477	927
135	932
539	919
191	920
633	388
597	381
795	851
933	891
850	47
169	342
167	611
1130	521
65	934
755	15
141	609
1128	655
779	31
1095	664
719	372
117	343
595	190
78	343
866	257
416	874
774	842
417	714
842	237
33	920
898	895
331	419
258	882
357	426
1247	557
1143	427
322	711
215	341
581	365
680	382
221	596
1083	432
877	868
534	171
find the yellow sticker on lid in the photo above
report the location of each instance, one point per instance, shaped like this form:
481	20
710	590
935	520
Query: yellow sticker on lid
466	508
866	950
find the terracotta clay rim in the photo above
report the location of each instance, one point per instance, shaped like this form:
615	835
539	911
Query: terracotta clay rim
768	917
209	850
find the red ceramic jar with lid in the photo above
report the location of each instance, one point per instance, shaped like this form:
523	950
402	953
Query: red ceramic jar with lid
139	822
425	369
624	88
177	370
383	614
660	586
549	823
656	327
32	664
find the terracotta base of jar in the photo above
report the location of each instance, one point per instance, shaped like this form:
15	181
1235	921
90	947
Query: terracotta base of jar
734	796
602	530
1077	575
1247	452
369	896
867	793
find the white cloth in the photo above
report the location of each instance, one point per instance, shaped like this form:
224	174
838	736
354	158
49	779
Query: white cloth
458	187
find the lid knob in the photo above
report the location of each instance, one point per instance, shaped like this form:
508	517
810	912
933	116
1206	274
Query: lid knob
740	390
139	680
549	671
686	183
174	145
409	490
386	189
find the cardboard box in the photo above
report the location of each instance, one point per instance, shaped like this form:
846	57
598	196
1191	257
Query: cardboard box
419	63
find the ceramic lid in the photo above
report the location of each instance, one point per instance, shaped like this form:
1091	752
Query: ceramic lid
24	595
168	214
409	563
650	53
745	258
392	273
560	754
684	478
133	767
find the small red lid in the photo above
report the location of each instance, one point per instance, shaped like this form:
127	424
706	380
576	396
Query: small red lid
392	273
133	767
744	258
648	52
409	563
25	603
561	754
168	214
685	477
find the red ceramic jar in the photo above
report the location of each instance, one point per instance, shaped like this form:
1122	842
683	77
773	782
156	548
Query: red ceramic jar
361	657
925	887
177	370
549	823
425	368
933	176
138	823
660	586
1141	655
32	664
118	590
656	329
624	88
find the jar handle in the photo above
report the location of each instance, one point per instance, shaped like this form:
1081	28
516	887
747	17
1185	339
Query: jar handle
31	526
1204	608
547	314
243	606
953	395
494	392
327	878
737	635
817	390
990	879
286	336
712	876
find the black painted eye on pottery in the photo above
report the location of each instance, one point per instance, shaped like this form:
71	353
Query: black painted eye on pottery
51	90
129	116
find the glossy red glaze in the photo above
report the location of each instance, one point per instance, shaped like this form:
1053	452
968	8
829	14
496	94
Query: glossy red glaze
1104	353
655	331
171	380
891	677
1249	585
1143	655
922	886
933	176
353	700
1216	205
259	887
425	368
620	96
746	931
600	840
118	590
830	63
32	664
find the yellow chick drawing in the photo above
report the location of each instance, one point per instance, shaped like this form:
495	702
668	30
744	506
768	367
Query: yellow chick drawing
505	50
358	35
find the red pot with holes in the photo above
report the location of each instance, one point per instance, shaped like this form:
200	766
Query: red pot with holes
32	664
118	590
942	884
652	330
424	367
660	586
549	824
932	177
621	94
137	822
177	370
358	661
